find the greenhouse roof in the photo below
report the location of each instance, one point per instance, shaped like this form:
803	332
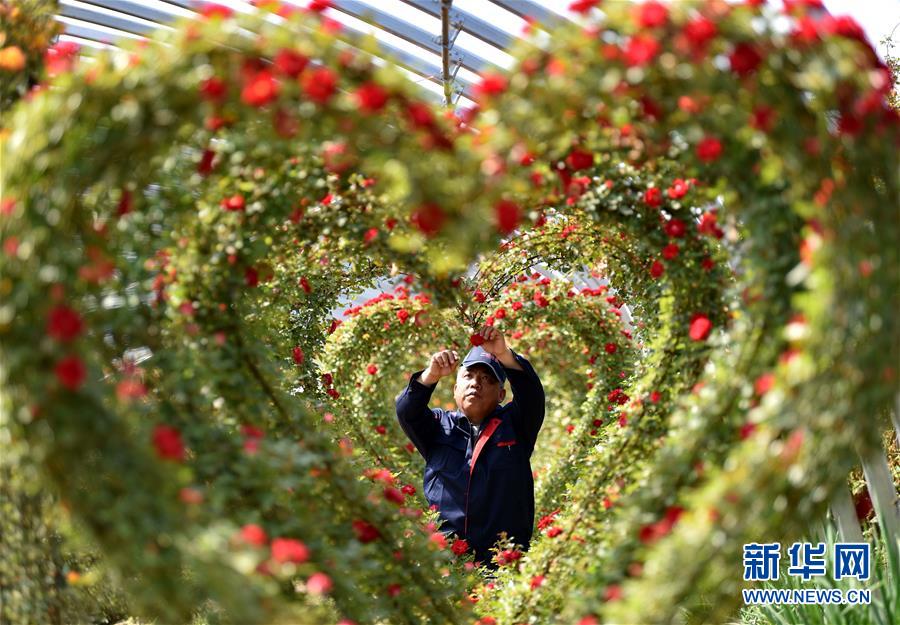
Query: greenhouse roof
408	30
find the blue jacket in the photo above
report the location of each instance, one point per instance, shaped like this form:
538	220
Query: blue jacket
499	493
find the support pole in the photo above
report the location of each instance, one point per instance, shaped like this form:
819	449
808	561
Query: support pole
445	51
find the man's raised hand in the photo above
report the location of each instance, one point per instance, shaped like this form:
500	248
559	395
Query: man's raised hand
442	363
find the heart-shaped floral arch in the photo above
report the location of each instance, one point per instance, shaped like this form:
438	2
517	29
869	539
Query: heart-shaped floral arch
209	200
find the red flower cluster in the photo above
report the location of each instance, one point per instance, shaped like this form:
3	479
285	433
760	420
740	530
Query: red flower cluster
508	556
617	396
708	225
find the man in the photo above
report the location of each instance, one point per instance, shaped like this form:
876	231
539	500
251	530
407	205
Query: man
478	470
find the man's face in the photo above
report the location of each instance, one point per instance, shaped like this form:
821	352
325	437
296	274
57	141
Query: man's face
477	392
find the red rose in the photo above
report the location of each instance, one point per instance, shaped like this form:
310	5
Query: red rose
764	383
372	369
260	89
476	340
371	97
678	189
699	32
319	584
651	14
700	327
611	348
168	444
613	592
640	50
370	235
304	284
215	11
289	550
428	218
491	84
579	159
709	149
71	372
319	85
298	355
402	315
213	89
583	6
408	489
653	197
508	556
744	59
290	63
251	277
234	203
506	214
479	296
419	115
675	228
670	251
762	118
844	26
459	546
365	532
393	495
205	166
254	535
64	324
657	269
60	57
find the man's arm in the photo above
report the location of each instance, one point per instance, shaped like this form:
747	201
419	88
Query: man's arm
417	420
528	392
